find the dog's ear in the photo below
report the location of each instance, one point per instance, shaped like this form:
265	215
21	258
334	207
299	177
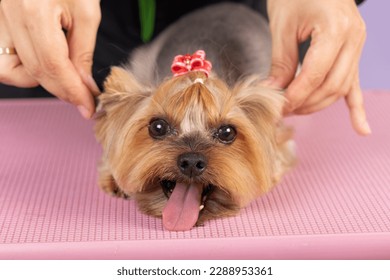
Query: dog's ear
121	85
121	98
262	105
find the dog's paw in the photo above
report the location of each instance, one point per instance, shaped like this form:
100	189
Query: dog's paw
119	193
108	184
286	152
112	189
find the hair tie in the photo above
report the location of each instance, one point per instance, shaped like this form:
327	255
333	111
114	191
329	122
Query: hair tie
199	80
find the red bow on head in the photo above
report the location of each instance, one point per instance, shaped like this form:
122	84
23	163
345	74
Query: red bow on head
185	63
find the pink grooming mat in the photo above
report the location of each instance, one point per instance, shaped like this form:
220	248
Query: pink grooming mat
334	205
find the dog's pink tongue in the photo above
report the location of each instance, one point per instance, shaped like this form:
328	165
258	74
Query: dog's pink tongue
182	209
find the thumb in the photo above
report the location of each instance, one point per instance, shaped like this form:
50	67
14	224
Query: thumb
284	59
82	40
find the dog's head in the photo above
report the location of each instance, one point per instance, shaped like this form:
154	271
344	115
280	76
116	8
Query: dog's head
189	151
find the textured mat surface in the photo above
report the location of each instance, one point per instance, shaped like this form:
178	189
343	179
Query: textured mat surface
334	204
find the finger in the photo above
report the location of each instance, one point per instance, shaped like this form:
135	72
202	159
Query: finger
12	71
284	60
357	111
45	55
340	78
90	83
312	108
81	40
321	56
338	82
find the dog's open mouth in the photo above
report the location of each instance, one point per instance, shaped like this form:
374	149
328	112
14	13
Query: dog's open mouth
185	201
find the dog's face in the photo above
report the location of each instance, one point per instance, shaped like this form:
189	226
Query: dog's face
188	151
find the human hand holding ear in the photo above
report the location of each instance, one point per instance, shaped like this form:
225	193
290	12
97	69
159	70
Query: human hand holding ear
60	62
330	69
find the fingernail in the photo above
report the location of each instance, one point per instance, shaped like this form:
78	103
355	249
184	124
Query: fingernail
366	127
92	85
89	82
84	112
268	82
287	112
288	109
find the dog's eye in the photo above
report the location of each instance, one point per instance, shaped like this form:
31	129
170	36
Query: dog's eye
159	128
226	134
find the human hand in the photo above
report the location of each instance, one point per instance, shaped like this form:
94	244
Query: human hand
330	67
60	62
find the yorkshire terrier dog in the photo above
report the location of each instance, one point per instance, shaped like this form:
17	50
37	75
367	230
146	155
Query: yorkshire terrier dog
200	143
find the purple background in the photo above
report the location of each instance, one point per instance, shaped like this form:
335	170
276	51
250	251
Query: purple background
375	60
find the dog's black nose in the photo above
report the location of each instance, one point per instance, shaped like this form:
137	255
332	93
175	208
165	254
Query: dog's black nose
192	164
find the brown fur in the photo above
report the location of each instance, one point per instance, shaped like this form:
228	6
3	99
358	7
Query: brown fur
134	163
